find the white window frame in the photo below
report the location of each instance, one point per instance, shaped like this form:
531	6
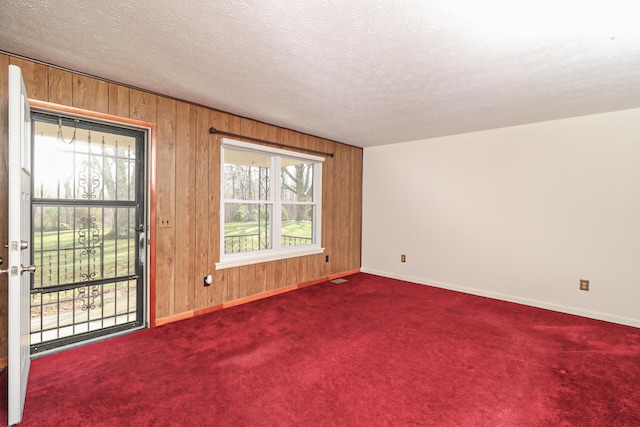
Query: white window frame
276	252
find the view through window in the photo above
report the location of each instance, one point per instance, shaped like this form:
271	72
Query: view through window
271	203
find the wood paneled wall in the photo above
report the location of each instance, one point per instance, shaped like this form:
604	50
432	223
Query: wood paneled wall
188	183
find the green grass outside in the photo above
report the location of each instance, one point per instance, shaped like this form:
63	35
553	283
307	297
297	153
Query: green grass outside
301	229
53	264
61	262
289	228
56	265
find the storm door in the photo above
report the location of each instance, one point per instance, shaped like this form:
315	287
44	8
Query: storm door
88	230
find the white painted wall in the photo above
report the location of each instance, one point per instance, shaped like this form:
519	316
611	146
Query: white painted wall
520	214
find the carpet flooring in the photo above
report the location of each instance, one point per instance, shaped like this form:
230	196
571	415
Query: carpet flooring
371	351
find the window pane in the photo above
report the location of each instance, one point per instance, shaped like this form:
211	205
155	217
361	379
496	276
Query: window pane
246	175
295	231
297	180
247	227
79	243
102	163
270	204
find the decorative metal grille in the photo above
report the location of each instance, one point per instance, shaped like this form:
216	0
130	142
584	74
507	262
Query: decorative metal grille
89	179
87	210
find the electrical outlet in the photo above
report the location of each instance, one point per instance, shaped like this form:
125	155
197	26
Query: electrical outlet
208	280
584	285
403	258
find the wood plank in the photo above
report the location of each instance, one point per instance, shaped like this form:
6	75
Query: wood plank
219	289
288	137
35	78
346	192
234	124
185	190
220	292
261	131
293	271
246	285
152	164
233	282
142	105
60	86
90	94
341	216
202	212
356	209
220	121
247	128
166	239
262	276
119	100
275	134
334	212
165	279
302	140
303	274
329	204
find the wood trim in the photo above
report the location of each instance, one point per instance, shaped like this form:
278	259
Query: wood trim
4	362
251	298
152	178
153	204
50	106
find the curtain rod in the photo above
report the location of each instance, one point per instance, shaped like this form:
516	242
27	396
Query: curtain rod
213	130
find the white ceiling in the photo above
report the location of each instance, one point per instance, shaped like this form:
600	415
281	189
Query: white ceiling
363	72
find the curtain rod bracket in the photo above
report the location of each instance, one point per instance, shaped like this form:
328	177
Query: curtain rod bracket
214	131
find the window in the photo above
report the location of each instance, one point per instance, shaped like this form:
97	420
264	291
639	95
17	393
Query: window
270	204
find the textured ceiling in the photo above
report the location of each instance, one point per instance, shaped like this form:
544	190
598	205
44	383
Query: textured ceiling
363	72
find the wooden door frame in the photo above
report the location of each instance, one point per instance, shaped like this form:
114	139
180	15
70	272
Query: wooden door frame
151	180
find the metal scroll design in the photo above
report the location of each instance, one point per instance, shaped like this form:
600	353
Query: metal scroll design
89	301
89	238
89	180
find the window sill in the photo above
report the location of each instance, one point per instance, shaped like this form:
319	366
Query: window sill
248	259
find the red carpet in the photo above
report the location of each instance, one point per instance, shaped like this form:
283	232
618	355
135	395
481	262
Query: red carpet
368	352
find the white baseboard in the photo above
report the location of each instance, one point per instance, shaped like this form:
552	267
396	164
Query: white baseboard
607	317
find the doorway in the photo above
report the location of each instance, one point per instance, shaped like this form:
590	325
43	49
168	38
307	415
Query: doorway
88	230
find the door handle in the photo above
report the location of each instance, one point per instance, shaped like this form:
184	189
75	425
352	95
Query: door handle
14	270
29	269
14	245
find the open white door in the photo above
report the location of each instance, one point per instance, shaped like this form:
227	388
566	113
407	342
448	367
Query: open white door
19	243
